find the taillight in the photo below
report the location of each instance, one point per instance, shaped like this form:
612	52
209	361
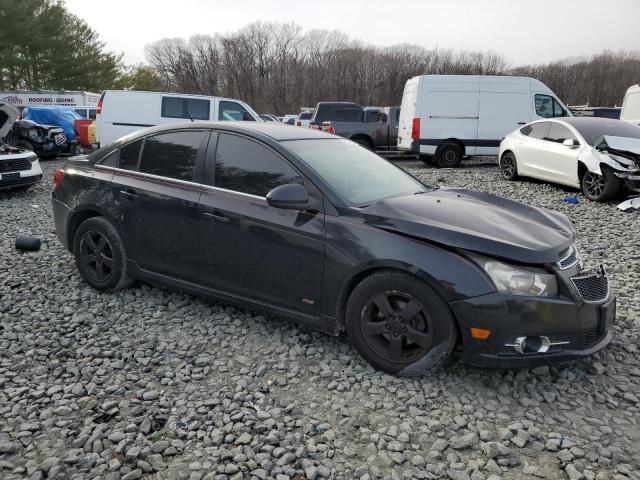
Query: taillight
415	129
331	130
298	123
57	177
99	109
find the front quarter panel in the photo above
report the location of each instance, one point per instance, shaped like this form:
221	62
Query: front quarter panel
353	250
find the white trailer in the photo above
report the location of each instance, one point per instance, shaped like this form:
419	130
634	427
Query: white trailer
42	98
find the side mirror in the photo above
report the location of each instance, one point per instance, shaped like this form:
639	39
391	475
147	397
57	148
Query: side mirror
570	142
291	196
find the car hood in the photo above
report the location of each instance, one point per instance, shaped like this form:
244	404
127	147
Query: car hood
623	143
8	115
476	221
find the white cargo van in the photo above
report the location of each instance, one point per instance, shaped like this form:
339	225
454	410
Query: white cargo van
452	116
124	111
631	105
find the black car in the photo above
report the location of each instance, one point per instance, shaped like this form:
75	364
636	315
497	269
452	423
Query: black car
313	227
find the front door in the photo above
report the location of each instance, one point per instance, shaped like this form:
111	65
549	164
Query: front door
249	248
529	148
158	200
558	160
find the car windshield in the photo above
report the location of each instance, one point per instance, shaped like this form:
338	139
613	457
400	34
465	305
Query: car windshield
594	131
306	116
356	174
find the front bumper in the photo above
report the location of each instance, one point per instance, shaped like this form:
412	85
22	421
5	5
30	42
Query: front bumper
21	178
575	327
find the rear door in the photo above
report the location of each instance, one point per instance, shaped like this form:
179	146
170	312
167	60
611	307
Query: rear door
502	110
528	147
559	161
156	188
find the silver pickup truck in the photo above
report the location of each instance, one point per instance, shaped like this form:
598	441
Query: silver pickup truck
373	127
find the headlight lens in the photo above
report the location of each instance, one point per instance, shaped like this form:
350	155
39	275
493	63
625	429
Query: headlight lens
517	280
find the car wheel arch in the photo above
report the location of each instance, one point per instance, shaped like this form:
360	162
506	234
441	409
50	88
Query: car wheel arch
369	270
79	216
363	137
455	141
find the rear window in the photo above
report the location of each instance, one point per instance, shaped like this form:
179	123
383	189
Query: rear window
338	113
306	116
129	155
189	108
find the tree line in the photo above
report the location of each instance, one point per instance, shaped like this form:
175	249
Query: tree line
275	67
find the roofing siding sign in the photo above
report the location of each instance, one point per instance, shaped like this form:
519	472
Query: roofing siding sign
35	99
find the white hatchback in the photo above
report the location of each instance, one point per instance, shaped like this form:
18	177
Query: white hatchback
19	168
599	155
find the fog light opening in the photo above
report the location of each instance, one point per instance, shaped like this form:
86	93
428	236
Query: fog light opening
531	344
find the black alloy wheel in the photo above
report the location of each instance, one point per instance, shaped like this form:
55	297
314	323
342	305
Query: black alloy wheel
100	255
508	166
397	327
96	254
400	324
600	188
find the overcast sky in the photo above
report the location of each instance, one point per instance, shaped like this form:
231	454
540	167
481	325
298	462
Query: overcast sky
526	31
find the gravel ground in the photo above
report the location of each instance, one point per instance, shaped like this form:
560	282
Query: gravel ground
150	383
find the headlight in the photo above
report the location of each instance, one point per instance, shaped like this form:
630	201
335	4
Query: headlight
517	280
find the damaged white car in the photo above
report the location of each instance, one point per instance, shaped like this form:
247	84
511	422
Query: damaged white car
599	155
19	167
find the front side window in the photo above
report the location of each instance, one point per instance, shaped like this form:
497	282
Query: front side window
233	111
548	107
171	155
559	133
129	155
356	174
245	166
189	108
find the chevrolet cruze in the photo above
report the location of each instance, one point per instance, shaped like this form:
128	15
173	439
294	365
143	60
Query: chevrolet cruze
312	227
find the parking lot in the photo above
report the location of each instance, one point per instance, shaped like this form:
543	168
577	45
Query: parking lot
151	383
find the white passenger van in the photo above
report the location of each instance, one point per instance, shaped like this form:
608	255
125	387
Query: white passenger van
452	116
124	111
631	105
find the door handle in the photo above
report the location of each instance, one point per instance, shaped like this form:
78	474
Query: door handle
129	194
216	217
522	123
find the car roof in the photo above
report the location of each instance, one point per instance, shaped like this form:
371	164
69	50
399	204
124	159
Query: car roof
577	122
272	130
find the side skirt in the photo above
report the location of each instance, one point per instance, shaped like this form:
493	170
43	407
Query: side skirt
322	323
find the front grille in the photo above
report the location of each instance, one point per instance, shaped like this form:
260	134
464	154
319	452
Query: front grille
60	138
570	259
592	288
592	336
15	165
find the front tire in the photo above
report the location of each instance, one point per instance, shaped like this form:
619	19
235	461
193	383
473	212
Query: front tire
449	155
509	166
100	255
399	324
600	188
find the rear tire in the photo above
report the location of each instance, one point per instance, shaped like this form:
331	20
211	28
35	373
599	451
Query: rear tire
600	188
509	166
100	255
399	324
449	155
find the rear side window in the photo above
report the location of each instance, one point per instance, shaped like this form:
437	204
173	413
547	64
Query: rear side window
559	133
233	111
171	155
371	116
537	130
245	166
189	108
129	155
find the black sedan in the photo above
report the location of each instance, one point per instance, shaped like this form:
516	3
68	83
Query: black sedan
312	227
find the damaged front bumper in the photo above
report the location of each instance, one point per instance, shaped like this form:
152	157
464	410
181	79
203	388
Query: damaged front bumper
531	331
